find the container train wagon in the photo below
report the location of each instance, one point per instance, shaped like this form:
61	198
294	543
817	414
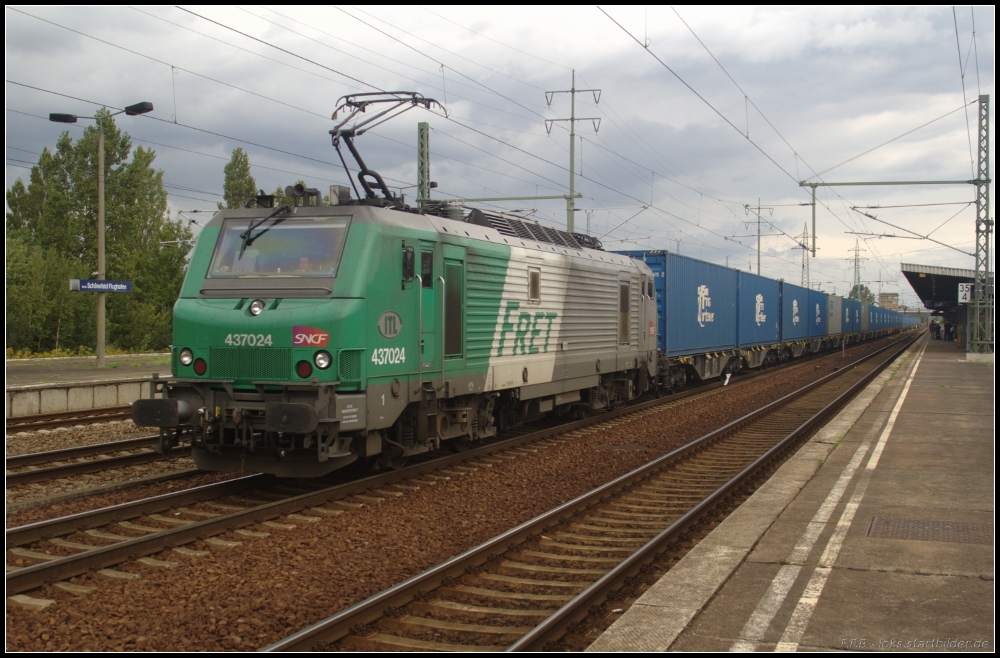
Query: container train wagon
308	338
713	321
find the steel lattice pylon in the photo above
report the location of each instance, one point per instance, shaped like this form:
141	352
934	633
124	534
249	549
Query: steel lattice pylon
981	310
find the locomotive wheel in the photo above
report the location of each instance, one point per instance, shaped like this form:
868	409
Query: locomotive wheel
460	444
393	463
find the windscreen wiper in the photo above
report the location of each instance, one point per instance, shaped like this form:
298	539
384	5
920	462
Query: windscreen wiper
247	240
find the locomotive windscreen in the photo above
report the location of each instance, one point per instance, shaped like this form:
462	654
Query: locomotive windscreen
296	247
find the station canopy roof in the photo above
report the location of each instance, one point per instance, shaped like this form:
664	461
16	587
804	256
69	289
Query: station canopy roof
937	287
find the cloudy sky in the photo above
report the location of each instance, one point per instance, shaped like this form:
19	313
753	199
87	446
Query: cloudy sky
703	112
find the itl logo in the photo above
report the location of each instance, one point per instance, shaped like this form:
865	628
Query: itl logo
704	302
819	315
795	311
759	308
309	337
390	324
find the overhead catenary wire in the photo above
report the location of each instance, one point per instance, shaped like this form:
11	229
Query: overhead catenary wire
666	186
747	99
179	68
501	141
702	98
368	61
288	52
193	152
961	73
890	141
173	123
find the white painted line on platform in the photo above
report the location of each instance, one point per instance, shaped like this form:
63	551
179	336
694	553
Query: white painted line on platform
807	603
762	616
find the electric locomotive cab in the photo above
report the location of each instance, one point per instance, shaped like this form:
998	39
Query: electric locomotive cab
261	345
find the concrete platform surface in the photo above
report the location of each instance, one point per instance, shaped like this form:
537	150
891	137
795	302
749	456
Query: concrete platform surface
877	535
25	372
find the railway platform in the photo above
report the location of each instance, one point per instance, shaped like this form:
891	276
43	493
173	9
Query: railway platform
876	535
47	386
72	370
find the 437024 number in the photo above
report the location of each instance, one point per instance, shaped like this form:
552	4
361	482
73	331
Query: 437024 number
247	340
390	355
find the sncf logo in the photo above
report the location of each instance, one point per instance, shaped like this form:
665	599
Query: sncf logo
309	337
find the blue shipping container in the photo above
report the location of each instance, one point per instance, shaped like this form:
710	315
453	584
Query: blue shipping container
701	306
758	317
794	312
816	314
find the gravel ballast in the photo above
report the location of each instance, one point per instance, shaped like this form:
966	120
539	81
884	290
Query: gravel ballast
22	443
248	596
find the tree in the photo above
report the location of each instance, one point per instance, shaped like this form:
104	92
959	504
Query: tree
240	187
861	293
52	236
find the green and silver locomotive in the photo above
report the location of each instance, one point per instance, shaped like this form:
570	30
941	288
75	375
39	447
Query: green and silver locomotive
309	337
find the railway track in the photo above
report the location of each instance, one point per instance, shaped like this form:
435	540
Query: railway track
139	528
55	464
546	583
67	419
80	465
147	526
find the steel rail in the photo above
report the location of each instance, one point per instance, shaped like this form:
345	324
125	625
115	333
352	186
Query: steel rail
365	612
67	418
93	466
73	565
64	525
64	454
33	576
578	608
104	556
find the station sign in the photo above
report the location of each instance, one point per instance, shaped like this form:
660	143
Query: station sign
99	285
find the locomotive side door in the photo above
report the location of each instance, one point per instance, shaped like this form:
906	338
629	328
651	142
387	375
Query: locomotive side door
643	312
454	297
430	310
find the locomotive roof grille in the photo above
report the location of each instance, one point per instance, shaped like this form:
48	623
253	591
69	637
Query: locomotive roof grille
523	228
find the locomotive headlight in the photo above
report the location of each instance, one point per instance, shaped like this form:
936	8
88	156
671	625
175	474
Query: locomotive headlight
256	306
186	357
322	360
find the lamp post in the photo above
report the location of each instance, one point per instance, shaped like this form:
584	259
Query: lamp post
131	110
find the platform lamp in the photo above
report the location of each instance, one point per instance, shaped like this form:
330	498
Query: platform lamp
131	110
